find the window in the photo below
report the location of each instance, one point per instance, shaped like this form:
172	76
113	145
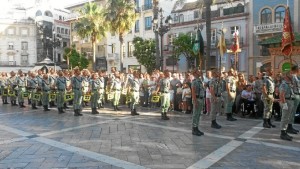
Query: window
137	26
24	32
148	4
24	45
66	31
11	31
196	14
58	57
130	49
58	29
213	36
265	51
62	30
266	16
233	29
279	14
148	23
48	13
11	46
181	18
24	60
65	44
38	13
124	51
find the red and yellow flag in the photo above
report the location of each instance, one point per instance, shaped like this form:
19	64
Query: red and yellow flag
287	35
235	46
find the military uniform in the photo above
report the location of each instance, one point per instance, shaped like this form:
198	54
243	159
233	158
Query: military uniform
268	101
101	92
85	86
61	85
21	83
258	84
215	104
32	85
94	87
164	86
4	89
198	85
116	88
296	96
45	86
39	80
286	108
12	87
229	96
77	89
52	80
135	88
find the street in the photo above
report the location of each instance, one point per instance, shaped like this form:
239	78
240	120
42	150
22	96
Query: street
37	139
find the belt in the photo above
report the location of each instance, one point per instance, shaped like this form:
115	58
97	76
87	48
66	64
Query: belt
45	90
232	90
134	90
76	89
61	90
199	97
297	93
217	95
268	93
101	87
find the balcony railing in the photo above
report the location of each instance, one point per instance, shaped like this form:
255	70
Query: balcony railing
268	28
8	63
146	7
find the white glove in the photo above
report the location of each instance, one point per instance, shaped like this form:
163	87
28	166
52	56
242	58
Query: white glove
285	106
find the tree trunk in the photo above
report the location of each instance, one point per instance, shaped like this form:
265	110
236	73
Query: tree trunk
157	52
208	33
94	55
121	51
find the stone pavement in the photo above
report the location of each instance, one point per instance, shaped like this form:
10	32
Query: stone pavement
36	139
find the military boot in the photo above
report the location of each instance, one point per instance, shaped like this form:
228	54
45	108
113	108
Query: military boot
230	118
269	122
46	108
285	136
22	105
197	132
76	112
118	108
33	106
165	117
94	111
215	125
291	130
266	124
5	102
115	108
135	112
65	106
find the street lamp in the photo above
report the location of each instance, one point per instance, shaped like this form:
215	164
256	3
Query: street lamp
54	42
161	29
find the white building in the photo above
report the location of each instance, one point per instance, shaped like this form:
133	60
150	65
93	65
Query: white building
17	39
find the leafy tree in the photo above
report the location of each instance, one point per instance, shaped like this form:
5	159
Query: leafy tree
184	45
121	17
76	59
144	51
91	24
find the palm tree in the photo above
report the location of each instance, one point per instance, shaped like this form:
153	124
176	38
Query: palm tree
121	17
91	24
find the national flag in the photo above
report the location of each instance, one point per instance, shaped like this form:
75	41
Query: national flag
287	35
222	44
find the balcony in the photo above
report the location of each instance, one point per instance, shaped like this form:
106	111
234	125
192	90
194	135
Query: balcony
147	7
8	63
268	28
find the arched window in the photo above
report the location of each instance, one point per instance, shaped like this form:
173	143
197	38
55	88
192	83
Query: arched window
279	14
48	13
266	16
38	13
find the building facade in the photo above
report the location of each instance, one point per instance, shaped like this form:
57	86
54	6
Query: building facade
224	16
17	38
267	22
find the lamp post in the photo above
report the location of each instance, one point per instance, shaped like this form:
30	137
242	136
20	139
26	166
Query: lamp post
54	42
161	29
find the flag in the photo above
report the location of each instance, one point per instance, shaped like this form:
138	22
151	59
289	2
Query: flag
287	35
199	44
235	46
222	44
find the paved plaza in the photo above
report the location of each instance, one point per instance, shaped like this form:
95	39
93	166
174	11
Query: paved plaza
36	139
